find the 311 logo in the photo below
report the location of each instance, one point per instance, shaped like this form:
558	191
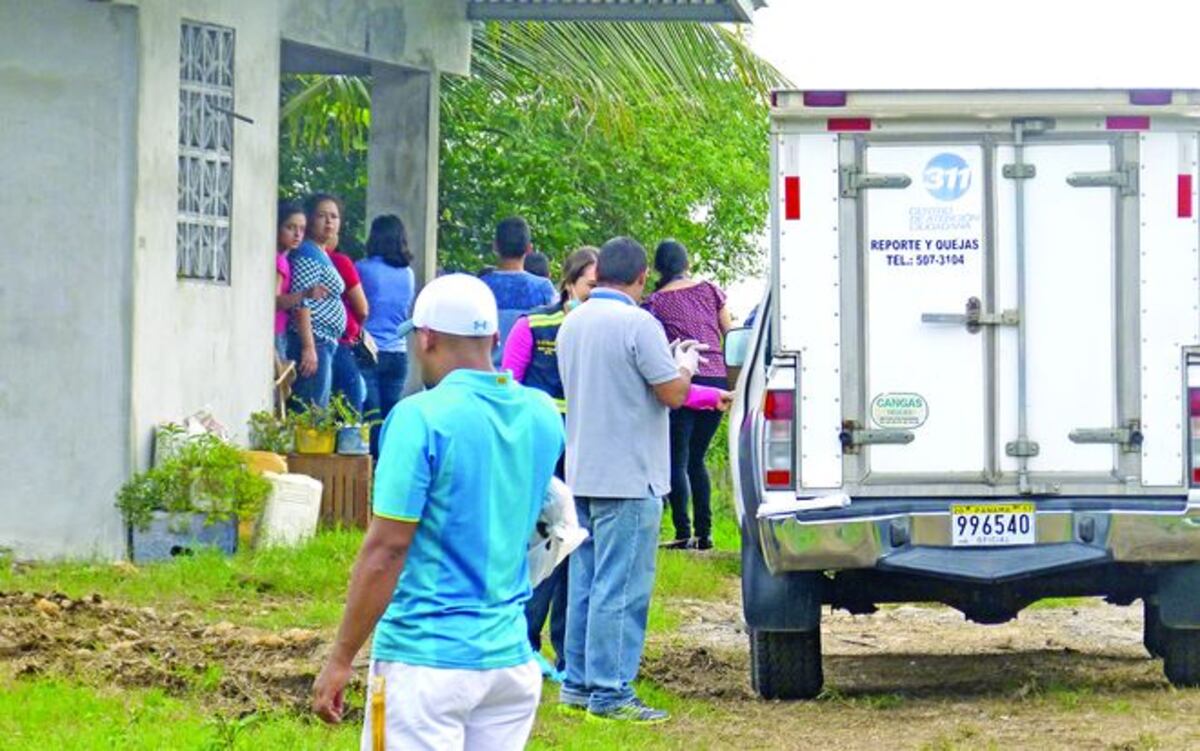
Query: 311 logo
947	177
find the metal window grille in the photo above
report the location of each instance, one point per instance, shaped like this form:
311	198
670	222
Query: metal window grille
205	152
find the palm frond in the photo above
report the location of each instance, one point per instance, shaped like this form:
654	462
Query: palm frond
611	70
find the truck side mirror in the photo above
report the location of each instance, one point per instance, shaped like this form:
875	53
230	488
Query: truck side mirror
737	346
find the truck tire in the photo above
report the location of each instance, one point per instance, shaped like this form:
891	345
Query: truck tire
1181	656
786	664
1152	636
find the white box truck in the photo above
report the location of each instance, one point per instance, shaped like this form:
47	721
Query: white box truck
975	377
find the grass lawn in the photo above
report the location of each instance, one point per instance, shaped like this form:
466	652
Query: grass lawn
264	592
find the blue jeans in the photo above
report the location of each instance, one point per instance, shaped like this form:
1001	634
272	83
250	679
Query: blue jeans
385	386
315	388
281	345
347	380
612	575
550	599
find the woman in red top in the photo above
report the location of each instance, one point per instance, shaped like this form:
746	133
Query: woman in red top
324	223
691	309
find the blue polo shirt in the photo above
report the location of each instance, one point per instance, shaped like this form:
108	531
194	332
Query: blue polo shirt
469	462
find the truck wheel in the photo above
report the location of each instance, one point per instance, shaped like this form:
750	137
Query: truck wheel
786	664
1181	656
1152	636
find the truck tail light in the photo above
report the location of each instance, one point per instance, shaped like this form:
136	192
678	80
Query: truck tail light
779	440
1194	433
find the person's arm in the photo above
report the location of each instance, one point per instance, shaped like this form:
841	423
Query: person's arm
308	343
707	398
402	482
372	584
518	349
357	301
674	393
725	321
289	300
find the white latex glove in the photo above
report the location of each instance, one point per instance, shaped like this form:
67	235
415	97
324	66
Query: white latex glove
687	355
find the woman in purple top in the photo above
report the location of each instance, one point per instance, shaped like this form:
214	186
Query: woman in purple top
691	309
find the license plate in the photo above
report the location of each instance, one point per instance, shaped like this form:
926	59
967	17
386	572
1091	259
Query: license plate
993	524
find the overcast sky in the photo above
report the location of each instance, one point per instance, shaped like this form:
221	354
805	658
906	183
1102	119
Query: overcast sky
895	44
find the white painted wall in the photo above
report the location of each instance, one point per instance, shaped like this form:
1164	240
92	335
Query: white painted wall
418	34
198	344
67	163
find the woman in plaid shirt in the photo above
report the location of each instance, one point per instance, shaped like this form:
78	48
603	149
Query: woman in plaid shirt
316	324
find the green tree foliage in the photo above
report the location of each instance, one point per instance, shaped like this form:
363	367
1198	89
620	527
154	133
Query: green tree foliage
588	130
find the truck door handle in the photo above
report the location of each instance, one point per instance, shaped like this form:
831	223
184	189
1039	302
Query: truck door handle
974	318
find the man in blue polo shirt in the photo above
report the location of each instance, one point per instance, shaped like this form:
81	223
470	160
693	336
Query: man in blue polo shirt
462	477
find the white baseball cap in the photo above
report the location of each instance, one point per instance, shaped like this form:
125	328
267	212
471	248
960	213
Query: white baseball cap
456	304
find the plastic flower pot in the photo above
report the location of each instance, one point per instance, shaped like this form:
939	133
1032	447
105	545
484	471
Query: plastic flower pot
354	440
311	441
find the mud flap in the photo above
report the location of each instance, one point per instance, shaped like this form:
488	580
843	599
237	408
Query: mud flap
1179	596
788	602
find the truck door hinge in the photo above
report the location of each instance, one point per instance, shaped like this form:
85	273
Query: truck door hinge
974	318
853	437
1022	448
853	180
1125	179
1129	438
1020	171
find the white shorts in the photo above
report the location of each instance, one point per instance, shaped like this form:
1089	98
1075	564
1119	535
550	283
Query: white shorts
441	709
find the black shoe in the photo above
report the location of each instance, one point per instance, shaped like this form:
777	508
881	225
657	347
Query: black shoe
704	543
683	544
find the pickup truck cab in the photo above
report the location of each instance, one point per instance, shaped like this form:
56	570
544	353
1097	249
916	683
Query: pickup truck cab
975	376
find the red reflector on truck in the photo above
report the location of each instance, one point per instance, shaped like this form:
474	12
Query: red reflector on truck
779	405
840	124
1150	97
1194	429
1185	197
791	198
824	99
1129	122
778	478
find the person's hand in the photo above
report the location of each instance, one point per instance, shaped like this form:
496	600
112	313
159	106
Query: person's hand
308	362
317	292
687	355
725	402
329	692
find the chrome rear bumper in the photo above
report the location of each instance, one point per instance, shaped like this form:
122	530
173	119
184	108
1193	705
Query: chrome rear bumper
865	534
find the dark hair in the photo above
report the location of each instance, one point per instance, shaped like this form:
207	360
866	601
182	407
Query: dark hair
287	209
574	267
314	201
538	264
621	261
670	261
512	237
389	240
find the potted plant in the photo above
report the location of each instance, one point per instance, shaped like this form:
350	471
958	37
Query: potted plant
270	433
353	428
192	498
315	430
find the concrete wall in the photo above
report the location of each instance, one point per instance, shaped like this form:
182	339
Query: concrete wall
198	344
422	34
68	75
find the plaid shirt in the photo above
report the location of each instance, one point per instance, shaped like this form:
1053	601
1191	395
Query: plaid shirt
311	266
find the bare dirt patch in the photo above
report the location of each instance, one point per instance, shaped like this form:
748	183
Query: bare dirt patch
239	669
924	677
